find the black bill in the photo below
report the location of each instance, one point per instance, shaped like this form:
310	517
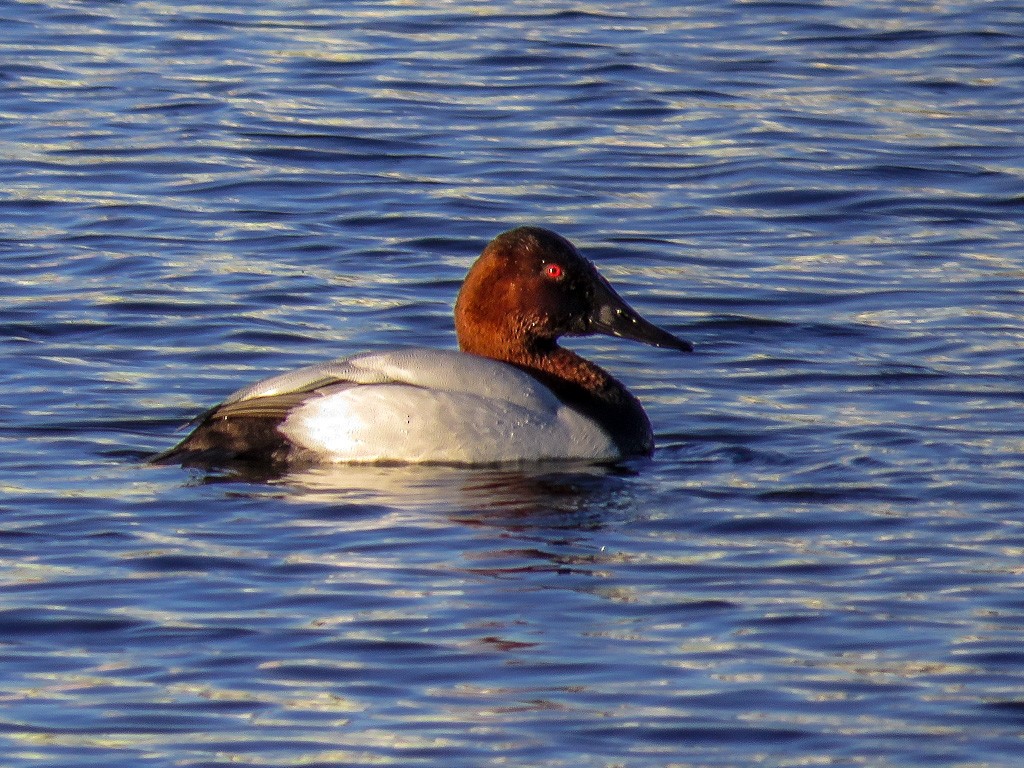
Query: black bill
611	315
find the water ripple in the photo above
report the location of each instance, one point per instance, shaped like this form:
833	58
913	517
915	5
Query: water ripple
820	564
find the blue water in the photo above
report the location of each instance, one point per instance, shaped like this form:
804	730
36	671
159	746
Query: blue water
823	562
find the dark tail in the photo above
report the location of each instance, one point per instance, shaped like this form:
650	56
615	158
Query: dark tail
222	441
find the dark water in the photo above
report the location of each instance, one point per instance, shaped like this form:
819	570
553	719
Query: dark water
823	563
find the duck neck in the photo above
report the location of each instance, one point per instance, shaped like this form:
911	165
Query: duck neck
564	368
585	387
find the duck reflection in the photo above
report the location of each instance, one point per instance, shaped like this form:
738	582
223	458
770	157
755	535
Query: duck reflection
501	523
496	523
569	496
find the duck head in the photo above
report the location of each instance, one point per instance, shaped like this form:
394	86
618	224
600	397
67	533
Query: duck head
529	287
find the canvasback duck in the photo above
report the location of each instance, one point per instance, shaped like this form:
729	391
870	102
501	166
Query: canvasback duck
512	394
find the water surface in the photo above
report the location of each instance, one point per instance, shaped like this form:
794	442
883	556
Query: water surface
820	565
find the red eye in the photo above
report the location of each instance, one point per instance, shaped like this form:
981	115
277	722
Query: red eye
554	271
